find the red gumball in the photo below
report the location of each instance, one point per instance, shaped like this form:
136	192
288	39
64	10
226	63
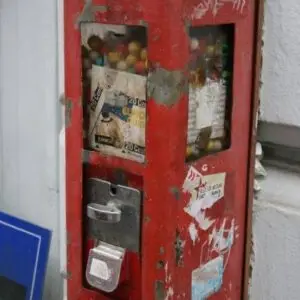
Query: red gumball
105	50
140	67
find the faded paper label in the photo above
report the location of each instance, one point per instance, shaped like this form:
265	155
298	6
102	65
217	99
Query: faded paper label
211	99
211	189
118	113
207	108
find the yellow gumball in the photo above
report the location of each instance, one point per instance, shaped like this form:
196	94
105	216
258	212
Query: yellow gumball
214	145
113	57
210	50
131	60
134	47
189	151
144	54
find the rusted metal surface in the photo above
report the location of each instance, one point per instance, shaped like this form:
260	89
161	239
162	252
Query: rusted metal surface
164	167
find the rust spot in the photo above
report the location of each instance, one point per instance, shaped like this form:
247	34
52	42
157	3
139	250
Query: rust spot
147	219
175	192
179	246
160	264
165	87
160	291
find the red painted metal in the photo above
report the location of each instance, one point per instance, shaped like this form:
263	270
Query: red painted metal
165	167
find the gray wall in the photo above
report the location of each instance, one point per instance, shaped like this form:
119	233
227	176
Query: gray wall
276	222
29	120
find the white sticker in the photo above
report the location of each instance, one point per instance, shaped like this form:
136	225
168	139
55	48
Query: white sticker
99	269
192	180
205	191
211	189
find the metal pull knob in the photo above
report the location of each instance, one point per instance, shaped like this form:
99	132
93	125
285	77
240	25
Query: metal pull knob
109	213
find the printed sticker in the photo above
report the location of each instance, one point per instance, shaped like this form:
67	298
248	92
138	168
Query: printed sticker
117	113
208	279
99	269
205	191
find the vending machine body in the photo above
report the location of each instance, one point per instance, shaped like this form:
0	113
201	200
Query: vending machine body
159	143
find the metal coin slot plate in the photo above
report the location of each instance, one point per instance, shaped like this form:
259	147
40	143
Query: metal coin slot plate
114	217
104	267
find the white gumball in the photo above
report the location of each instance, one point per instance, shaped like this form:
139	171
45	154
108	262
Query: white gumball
194	44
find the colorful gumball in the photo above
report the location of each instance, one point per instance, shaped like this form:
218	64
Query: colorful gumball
140	67
144	54
194	44
210	50
113	57
134	47
131	60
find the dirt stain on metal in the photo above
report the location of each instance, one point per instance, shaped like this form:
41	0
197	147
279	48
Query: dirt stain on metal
160	291
164	86
160	264
68	111
175	192
179	246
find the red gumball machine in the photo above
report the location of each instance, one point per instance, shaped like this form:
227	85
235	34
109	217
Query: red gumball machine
159	130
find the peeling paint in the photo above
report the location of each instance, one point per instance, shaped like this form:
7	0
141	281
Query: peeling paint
170	293
176	192
88	12
160	291
164	86
193	233
214	7
179	246
204	192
